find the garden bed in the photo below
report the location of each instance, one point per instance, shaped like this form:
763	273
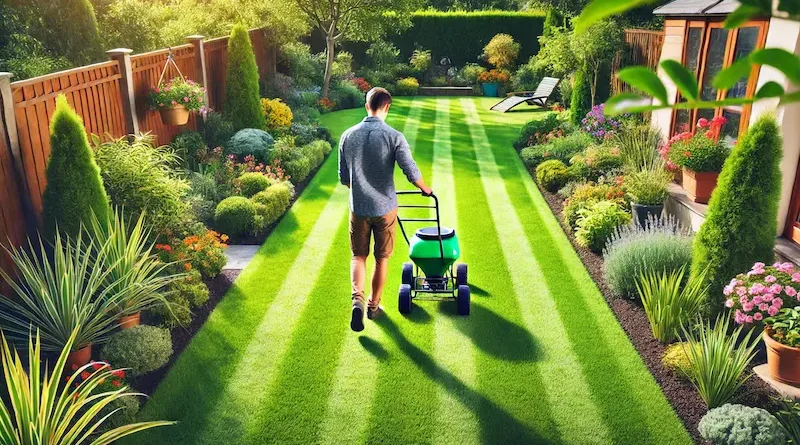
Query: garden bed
446	91
631	316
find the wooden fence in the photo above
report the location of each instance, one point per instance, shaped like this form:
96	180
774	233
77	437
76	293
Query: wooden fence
643	47
111	98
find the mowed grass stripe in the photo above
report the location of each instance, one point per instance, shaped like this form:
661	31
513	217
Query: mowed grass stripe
566	385
353	387
453	350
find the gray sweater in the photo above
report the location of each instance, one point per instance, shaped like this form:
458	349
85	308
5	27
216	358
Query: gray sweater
367	154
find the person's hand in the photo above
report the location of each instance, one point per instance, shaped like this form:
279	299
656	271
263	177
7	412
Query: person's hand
426	191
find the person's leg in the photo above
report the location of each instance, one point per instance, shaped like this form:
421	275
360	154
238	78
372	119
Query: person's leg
359	245
384	229
378	280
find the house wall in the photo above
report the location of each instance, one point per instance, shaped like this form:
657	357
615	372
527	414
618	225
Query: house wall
674	34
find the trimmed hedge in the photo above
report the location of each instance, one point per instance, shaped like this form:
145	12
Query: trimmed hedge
235	216
742	215
552	175
140	349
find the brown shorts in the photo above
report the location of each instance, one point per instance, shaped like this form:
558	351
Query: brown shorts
362	228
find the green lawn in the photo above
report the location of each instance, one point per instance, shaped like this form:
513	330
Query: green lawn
541	359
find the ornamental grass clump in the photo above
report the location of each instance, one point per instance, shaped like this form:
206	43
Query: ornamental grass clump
668	302
587	194
732	424
639	147
719	359
648	187
661	245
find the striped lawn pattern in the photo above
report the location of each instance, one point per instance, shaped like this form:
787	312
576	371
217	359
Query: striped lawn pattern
541	359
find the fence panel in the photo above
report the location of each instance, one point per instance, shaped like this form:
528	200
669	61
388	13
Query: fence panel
93	91
643	47
146	70
216	67
12	217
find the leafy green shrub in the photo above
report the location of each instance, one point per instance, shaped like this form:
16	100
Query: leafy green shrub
597	222
186	145
121	412
420	60
271	204
74	189
633	250
741	425
502	51
742	215
533	131
787	411
648	187
586	194
140	349
217	130
140	178
324	134
305	68
303	133
251	141
597	161
298	169
182	296
668	302
382	55
408	86
552	175
242	101
293	160
346	95
316	152
719	357
581	100
234	216
527	76
563	149
471	72
251	183
277	114
202	209
676	360
203	185
67	28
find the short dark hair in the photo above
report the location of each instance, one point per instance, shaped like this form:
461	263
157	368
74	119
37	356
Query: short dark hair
378	98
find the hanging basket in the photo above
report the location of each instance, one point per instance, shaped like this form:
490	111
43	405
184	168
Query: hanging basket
174	115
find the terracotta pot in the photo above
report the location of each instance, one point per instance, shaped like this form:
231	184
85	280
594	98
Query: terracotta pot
642	212
130	321
174	115
699	185
79	357
783	361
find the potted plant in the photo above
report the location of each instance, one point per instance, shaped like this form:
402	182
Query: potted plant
700	156
782	338
175	99
490	81
648	191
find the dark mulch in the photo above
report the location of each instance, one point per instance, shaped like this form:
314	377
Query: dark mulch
181	337
680	393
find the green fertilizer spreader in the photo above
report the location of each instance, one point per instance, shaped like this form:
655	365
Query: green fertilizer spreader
433	252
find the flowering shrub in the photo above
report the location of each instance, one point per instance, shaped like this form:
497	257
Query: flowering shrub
177	92
587	194
277	114
700	151
361	84
407	86
325	105
598	125
115	380
495	75
203	252
761	292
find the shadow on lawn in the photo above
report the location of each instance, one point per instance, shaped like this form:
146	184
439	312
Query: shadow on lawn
374	348
492	417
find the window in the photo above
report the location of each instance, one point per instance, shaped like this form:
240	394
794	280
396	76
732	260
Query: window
709	48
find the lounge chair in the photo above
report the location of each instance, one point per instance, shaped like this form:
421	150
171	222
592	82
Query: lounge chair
538	97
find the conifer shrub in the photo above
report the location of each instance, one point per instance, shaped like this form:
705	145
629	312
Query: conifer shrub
581	101
242	101
74	188
251	141
741	224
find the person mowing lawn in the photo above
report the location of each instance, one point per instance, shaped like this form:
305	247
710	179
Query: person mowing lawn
368	152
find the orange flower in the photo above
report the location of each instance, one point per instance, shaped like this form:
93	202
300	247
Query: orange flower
187	266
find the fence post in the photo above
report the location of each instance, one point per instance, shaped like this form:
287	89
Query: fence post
200	61
123	56
8	118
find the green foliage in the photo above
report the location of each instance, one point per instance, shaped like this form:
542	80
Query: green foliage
648	187
306	69
719	358
303	133
587	194
242	101
44	407
598	161
382	55
271	204
552	175
140	349
581	101
182	296
676	359
741	425
186	146
556	56
699	153
21	53
785	326
638	146
216	130
140	178
134	24
235	216
595	48
661	246
346	95
251	183
420	60
277	114
669	301
597	222
534	131
741	223
461	35
502	51
251	141
563	149
74	189
787	411
408	86
527	76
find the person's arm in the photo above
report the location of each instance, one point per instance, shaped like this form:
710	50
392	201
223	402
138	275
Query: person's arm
409	167
344	171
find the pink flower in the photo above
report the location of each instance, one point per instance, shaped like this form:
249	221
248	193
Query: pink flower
757	316
747	307
727	290
702	122
775	288
741	290
763	307
767	297
186	99
772	311
770	279
778	303
758	265
174	103
756	289
749	319
739	317
757	300
785	267
743	300
729	302
796	277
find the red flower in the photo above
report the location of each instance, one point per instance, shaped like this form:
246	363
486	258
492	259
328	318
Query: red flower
97	365
119	373
702	122
116	383
85	375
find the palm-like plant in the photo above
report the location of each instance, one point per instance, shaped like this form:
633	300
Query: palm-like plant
133	269
67	294
42	410
669	304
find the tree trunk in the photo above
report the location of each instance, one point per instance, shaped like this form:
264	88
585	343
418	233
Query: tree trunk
594	85
326	84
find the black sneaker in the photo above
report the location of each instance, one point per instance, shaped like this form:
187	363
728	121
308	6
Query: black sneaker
357	317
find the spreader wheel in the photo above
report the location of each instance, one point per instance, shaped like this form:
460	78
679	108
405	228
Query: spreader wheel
404	300
462	299
461	274
408	274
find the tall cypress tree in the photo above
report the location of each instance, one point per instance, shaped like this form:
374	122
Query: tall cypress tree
242	100
74	188
581	101
741	224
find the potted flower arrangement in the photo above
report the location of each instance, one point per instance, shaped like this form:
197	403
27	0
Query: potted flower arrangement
648	191
175	99
490	81
700	156
782	337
